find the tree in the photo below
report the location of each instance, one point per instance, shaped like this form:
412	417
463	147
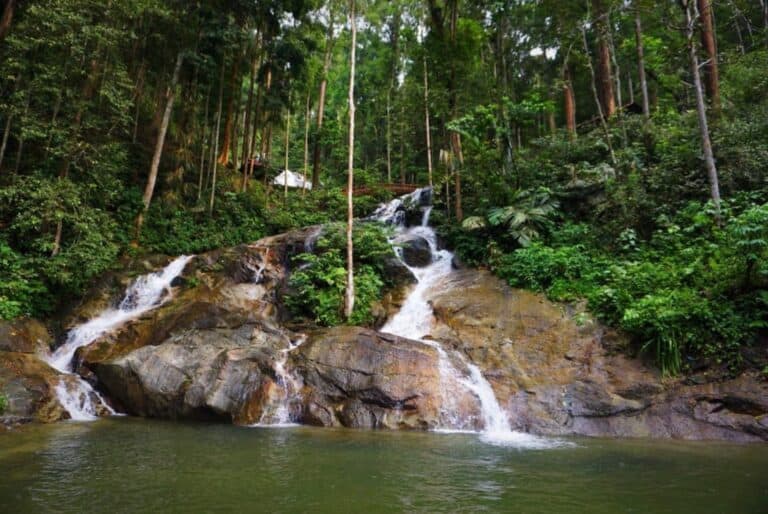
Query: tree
641	63
155	166
349	296
7	18
601	19
712	73
689	8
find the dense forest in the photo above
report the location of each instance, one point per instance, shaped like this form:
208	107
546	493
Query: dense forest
612	152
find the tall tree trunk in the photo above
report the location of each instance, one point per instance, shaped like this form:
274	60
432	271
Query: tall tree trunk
569	102
349	296
604	79
711	68
287	147
234	88
459	158
389	136
248	141
155	166
203	144
321	102
219	108
7	18
641	64
426	122
6	133
595	95
20	148
307	116
701	108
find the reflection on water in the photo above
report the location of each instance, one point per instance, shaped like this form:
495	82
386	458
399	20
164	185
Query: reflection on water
129	465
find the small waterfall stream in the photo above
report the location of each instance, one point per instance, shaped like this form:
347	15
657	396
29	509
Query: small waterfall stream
277	413
415	319
147	292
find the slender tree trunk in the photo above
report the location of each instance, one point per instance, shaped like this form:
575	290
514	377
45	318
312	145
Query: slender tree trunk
219	109
307	116
321	103
287	147
349	297
426	122
595	95
6	133
604	79
389	136
155	166
20	148
641	64
203	144
570	102
234	88
248	141
137	101
701	108
459	157
7	18
711	68
616	69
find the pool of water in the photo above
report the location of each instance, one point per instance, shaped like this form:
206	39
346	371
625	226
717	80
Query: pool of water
131	465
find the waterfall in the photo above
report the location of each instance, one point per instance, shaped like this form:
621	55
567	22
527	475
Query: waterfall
277	413
416	317
145	293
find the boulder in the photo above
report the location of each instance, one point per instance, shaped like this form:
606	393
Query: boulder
28	385
355	377
416	251
208	373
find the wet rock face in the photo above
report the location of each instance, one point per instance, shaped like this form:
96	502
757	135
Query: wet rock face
359	378
216	374
416	251
555	377
24	336
27	383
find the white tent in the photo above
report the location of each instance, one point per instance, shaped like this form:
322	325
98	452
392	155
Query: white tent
295	180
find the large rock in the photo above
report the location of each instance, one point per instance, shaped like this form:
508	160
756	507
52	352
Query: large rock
28	385
212	373
359	378
416	251
555	376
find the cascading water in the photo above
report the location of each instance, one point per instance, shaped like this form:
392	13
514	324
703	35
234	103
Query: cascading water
144	294
415	318
278	412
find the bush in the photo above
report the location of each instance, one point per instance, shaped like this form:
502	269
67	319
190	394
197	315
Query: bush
318	285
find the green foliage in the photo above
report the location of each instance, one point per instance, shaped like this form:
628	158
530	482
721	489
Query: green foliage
317	286
3	403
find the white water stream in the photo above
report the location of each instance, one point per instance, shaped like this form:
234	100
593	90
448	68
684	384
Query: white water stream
277	413
147	292
415	319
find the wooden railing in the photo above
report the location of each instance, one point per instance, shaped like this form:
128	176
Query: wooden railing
400	189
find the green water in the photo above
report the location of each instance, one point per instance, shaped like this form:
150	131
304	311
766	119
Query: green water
129	465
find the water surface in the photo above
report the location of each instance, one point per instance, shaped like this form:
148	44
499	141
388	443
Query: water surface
131	465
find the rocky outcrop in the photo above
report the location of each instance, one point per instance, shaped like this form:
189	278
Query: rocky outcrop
223	348
556	376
